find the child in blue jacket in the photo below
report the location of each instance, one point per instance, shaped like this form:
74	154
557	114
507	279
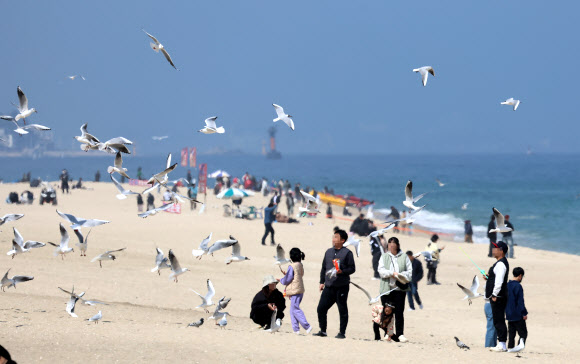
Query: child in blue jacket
515	312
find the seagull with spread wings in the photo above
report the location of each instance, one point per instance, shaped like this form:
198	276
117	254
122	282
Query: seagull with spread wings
63	247
283	116
159	47
23	110
424	71
19	246
175	267
106	256
11	282
211	128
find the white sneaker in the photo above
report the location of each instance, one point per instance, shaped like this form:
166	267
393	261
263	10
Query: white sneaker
309	329
403	339
297	332
498	348
411	309
375	279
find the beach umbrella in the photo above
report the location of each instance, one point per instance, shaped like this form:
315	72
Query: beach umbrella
234	193
219	173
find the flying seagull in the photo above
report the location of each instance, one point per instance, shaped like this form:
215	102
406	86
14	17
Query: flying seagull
512	102
175	267
23	130
354	242
206	300
87	140
499	223
124	193
409	200
471	293
221	244
155	210
115	145
283	116
79	222
236	254
83	241
217	314
311	203
10	217
464	206
159	47
106	256
70	305
160	262
19	246
23	110
63	247
211	128
424	71
160	137
281	256
11	282
118	167
75	77
197	323
163	175
441	184
275	323
372	299
460	344
203	247
376	233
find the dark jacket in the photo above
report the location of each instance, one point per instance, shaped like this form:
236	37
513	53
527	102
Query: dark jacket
375	246
468	229
270	214
491	236
417	270
260	303
509	233
516	308
346	265
503	294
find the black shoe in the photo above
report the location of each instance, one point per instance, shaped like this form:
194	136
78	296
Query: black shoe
340	335
320	333
271	244
263	243
437	283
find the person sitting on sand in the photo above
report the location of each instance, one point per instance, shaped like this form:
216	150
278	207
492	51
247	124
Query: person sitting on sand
266	301
5	357
383	318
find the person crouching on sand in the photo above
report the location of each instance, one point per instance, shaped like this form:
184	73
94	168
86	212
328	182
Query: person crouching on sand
295	290
383	318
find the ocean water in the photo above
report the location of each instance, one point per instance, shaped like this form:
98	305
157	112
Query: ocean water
537	191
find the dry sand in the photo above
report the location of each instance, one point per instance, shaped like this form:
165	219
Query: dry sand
148	314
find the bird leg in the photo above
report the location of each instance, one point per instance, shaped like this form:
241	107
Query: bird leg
158	272
100	264
62	256
470	302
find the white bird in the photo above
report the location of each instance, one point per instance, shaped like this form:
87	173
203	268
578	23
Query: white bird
424	71
221	244
500	226
160	137
441	184
115	145
512	102
118	167
70	305
78	222
211	128
464	206
372	299
23	130
96	318
236	254
311	205
175	267
83	241
217	314
283	116
75	77
163	175
11	282
153	179
159	47
409	200
426	254
19	246
124	193
471	293
376	233
410	217
10	217
224	321
23	110
198	323
160	262
354	242
518	348
275	324
281	256
203	247
206	300
223	303
88	141
155	210
63	247
106	256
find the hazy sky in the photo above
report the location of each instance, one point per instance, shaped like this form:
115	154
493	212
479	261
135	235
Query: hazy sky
343	69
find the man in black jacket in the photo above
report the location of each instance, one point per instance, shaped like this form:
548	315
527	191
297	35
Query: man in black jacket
416	277
491	236
335	283
496	292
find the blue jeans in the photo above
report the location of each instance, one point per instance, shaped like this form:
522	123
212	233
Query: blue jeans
413	293
509	240
490	334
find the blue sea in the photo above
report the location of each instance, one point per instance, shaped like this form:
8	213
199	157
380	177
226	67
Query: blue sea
539	192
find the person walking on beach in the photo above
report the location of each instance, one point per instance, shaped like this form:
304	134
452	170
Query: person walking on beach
64	178
507	237
395	268
139	203
516	312
98	176
150	201
468	231
376	252
290	203
295	290
337	266
269	217
491	236
496	292
415	278
434	262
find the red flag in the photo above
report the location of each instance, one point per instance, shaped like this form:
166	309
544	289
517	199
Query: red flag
184	156
202	178
193	157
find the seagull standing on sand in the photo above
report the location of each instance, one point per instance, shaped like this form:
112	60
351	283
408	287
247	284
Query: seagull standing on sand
471	293
160	262
224	321
96	318
460	344
512	102
409	200
83	241
19	246
499	223
281	256
118	167
203	247
236	254
78	222
372	299
283	116
124	193
23	110
206	300
275	323
159	47
11	282
63	247
106	256
175	267
424	71
211	128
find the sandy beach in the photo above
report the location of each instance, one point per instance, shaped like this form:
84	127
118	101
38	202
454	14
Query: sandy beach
147	315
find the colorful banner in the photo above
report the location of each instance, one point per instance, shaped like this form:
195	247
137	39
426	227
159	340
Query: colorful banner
184	156
193	157
202	179
175	209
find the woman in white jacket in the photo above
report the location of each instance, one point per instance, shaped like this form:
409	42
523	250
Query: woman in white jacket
396	270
